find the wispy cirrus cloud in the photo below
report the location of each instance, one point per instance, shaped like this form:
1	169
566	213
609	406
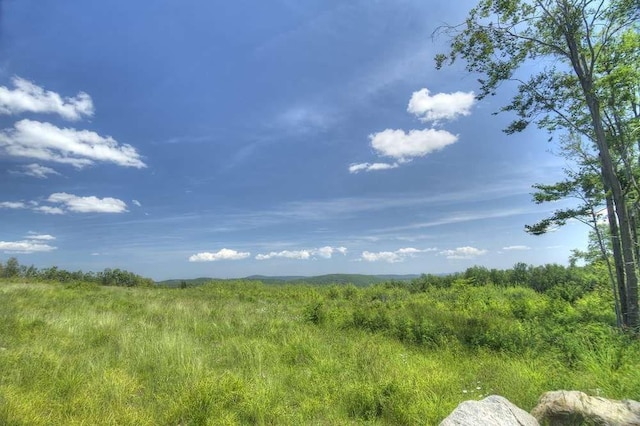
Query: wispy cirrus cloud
368	167
516	248
48	210
63	203
29	97
459	217
303	119
32	243
40	237
35	170
222	254
79	148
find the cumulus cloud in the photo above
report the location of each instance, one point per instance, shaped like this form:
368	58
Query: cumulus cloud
32	243
328	251
12	205
287	254
441	106
137	203
381	256
223	254
404	146
79	148
369	167
90	204
463	253
399	255
28	97
509	248
324	252
35	170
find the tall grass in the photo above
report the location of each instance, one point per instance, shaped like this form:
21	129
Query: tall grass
245	353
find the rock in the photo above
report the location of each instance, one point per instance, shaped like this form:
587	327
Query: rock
574	407
494	410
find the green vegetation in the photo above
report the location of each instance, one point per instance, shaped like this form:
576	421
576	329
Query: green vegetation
109	277
576	64
248	353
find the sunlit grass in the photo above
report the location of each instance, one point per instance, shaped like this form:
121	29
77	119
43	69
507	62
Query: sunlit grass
244	353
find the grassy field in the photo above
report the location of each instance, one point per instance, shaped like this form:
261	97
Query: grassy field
246	353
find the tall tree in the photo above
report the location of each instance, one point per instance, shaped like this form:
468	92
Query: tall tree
11	268
573	61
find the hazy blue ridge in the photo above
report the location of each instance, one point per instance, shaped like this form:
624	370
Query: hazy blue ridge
355	279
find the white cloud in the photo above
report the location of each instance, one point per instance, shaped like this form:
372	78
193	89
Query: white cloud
441	106
48	210
463	253
399	255
381	256
136	202
80	148
40	237
223	254
88	204
327	252
28	97
508	248
12	205
288	254
324	252
24	247
32	243
369	167
405	146
35	170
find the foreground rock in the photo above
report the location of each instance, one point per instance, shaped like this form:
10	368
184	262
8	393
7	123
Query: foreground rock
494	410
573	407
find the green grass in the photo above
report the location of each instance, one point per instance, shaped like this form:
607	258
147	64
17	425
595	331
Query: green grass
246	353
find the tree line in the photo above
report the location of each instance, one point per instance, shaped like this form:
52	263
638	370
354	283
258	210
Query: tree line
565	282
12	269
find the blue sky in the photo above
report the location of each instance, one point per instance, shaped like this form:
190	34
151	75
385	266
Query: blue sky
193	138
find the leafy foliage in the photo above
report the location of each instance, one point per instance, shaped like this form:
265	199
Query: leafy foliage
581	59
112	277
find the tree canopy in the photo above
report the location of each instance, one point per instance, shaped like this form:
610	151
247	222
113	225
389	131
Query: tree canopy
577	67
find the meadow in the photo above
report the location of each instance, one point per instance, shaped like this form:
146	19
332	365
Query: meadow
244	352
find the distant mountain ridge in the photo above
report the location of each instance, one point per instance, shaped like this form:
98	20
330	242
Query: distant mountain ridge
355	279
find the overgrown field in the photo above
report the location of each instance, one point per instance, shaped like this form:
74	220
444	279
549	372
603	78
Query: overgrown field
248	353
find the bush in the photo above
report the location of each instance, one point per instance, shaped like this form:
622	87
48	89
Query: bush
315	313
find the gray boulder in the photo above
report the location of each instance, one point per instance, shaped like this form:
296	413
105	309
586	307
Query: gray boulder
494	410
574	408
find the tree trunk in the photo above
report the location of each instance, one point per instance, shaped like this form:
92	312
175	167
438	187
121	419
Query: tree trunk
610	178
617	258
